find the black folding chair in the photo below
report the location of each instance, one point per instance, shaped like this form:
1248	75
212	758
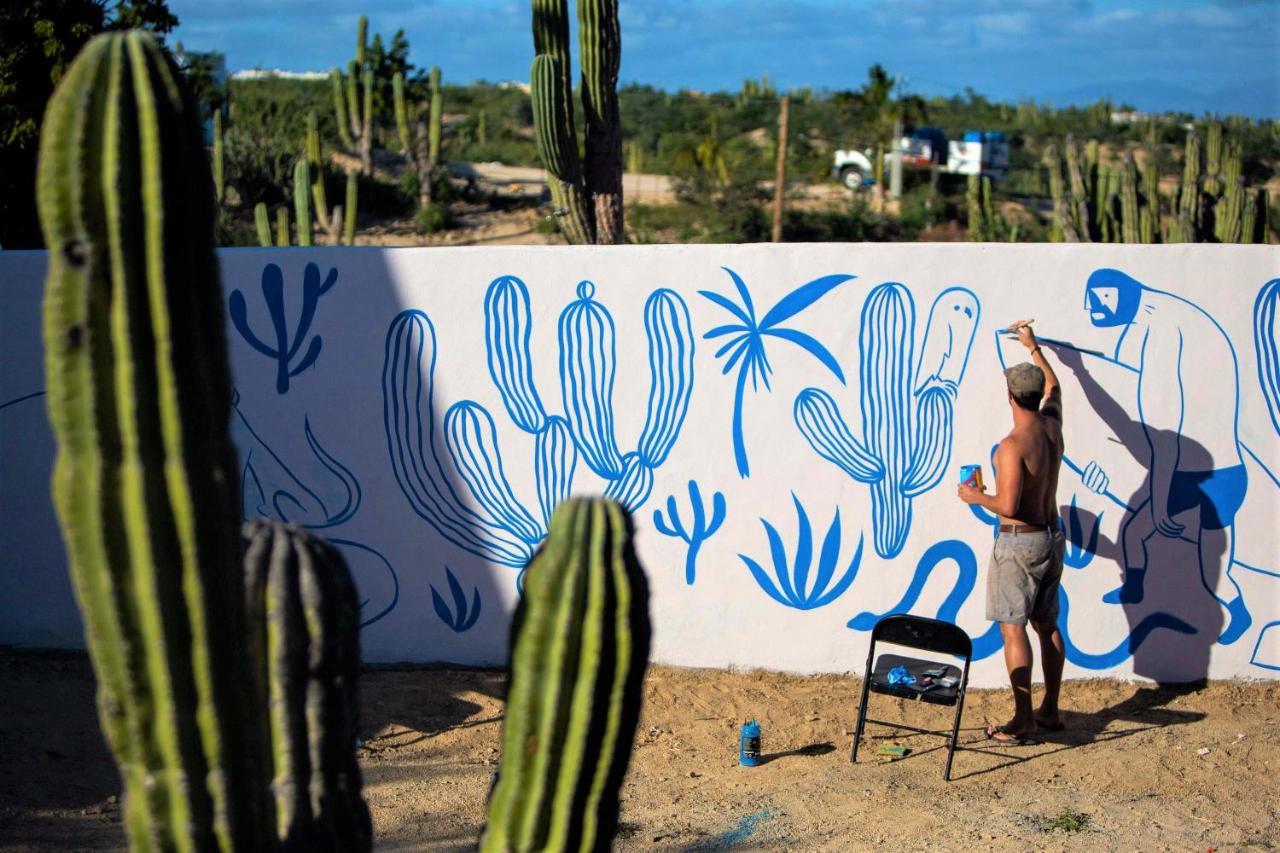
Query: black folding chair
916	632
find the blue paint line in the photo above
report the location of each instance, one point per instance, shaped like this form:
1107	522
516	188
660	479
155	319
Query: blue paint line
15	401
395	581
1123	650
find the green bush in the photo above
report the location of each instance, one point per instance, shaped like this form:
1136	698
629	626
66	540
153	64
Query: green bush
432	218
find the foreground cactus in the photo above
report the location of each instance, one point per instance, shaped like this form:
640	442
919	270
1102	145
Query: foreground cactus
139	395
581	645
586	190
303	618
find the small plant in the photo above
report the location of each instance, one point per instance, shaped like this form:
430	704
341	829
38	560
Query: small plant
793	587
462	616
432	218
1068	820
700	527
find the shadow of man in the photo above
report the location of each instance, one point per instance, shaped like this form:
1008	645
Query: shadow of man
1169	536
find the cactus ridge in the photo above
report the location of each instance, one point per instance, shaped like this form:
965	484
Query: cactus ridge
140	399
581	638
907	403
304	617
501	528
1266	339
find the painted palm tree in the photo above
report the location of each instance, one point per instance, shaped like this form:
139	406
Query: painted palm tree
745	349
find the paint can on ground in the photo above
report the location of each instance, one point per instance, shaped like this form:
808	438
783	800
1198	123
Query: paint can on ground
749	744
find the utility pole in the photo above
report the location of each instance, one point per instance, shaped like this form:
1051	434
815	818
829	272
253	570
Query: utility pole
895	171
780	176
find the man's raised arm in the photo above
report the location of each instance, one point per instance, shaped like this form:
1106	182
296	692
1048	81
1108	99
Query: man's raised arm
1051	407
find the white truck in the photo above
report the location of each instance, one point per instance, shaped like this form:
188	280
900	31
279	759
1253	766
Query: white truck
976	153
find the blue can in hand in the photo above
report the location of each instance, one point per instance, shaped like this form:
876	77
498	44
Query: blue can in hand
749	744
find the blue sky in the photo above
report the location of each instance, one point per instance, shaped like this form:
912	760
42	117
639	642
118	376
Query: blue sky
1219	55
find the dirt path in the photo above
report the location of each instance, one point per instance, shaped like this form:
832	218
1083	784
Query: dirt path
1147	768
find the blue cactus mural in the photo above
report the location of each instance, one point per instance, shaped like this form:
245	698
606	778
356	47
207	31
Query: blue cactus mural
462	616
793	587
700	529
287	346
907	404
746	348
1266	340
496	524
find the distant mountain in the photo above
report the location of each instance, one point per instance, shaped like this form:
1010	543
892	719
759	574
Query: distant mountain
1259	98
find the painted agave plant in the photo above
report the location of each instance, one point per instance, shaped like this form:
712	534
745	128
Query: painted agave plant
794	582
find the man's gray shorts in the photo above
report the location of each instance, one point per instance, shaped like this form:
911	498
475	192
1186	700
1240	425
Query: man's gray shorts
1023	579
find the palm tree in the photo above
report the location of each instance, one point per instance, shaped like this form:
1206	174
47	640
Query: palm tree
746	348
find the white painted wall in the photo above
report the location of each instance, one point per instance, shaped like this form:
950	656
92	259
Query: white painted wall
1198	313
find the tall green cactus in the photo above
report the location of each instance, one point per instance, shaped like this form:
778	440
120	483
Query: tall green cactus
349	211
219	183
1213	182
1080	192
354	115
984	224
333	221
1130	229
421	140
302	200
581	644
1064	226
586	190
1189	202
139	396
304	620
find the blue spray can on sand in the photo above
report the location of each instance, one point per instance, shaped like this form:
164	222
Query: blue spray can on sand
749	744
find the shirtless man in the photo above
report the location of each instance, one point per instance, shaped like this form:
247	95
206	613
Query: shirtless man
1026	562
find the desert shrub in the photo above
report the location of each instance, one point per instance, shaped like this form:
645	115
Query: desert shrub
432	218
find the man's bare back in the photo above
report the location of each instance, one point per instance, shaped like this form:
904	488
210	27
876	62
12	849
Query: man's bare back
1037	449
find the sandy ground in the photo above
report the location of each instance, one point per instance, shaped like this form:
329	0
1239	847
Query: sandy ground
1149	768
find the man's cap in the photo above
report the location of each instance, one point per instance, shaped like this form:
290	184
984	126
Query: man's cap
1024	379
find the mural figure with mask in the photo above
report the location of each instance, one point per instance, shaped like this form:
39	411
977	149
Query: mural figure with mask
1197	477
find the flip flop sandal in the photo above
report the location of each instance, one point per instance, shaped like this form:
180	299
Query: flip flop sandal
995	732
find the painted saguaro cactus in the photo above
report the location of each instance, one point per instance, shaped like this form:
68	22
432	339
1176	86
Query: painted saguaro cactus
500	527
580	647
139	395
304	620
907	404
